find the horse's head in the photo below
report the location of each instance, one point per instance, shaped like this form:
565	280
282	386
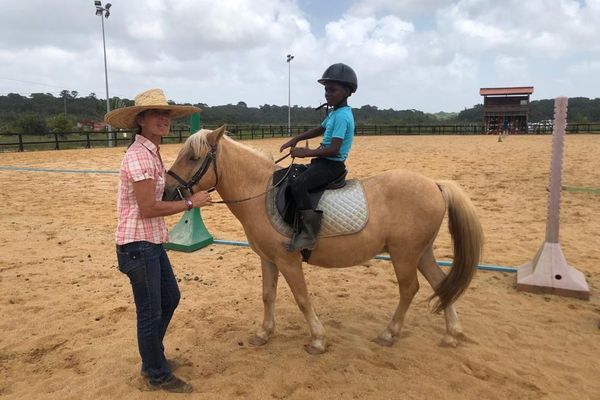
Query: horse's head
192	169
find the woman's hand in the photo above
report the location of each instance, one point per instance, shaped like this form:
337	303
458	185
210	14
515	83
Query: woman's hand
201	199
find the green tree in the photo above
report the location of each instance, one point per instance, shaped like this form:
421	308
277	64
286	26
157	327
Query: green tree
473	115
31	124
61	123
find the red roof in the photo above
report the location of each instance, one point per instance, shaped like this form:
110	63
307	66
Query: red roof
506	90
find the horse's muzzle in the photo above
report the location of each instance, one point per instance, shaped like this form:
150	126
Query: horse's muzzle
172	194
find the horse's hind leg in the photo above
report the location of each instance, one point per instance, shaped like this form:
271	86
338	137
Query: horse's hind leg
270	275
408	285
434	275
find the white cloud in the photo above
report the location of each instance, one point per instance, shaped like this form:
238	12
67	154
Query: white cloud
150	31
400	7
511	69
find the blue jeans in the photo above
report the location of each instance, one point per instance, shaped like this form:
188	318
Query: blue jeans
156	296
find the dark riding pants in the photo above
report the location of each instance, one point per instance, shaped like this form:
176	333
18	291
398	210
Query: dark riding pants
320	172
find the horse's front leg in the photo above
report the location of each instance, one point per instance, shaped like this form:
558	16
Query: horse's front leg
270	275
294	275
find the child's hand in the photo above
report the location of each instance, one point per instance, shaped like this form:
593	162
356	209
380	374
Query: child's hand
300	152
290	143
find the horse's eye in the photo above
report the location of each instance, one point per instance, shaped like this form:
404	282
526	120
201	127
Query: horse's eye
194	158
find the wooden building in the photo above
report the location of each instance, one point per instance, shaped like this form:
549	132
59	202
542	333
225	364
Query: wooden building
506	109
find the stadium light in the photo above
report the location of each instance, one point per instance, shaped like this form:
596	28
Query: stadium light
289	61
104	12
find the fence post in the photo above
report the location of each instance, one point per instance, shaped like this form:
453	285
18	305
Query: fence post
21	143
87	143
56	141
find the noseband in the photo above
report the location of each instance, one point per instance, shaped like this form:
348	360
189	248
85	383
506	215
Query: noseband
211	158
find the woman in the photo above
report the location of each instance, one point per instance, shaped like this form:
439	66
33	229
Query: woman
141	229
328	159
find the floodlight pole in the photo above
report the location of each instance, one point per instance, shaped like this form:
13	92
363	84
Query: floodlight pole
104	13
289	61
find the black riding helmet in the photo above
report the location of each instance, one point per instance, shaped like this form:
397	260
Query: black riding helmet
340	73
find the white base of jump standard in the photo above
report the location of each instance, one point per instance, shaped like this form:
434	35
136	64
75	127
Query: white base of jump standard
550	273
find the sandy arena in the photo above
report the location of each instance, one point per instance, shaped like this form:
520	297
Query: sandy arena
68	319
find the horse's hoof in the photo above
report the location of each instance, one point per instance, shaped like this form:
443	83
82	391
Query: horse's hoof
257	341
385	338
385	342
455	331
449	341
464	338
314	350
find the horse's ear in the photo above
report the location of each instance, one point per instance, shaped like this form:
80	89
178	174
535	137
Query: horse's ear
216	135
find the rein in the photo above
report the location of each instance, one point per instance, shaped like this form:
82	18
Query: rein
211	158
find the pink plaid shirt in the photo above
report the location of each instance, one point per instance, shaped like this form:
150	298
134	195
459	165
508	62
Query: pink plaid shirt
142	161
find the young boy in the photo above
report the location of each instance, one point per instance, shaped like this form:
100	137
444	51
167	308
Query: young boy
327	162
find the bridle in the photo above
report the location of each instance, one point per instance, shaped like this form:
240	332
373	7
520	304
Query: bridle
202	170
211	158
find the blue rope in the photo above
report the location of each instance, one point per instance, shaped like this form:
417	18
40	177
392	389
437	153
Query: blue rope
67	171
484	267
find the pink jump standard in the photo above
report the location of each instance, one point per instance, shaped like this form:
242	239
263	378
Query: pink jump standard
549	271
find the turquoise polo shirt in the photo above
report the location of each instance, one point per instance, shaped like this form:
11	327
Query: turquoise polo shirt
339	124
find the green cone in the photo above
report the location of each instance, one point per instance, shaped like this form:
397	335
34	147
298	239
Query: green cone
189	234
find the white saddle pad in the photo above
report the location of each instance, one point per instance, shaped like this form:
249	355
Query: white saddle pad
345	211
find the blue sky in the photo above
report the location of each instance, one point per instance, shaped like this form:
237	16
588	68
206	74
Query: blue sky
430	55
321	12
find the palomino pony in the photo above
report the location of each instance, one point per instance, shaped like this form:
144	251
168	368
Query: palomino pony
405	214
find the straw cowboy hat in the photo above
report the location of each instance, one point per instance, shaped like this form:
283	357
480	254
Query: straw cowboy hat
150	99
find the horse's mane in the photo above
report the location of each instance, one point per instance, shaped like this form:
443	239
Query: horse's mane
197	145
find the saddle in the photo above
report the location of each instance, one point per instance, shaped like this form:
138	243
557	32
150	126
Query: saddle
284	201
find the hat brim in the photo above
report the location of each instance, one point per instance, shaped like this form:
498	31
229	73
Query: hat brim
124	118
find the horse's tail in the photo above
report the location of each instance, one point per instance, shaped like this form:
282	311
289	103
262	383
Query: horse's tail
467	241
